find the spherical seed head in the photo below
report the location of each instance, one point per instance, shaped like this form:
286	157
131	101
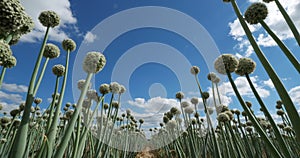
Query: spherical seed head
51	51
92	94
115	105
268	1
189	110
279	102
195	100
68	104
123	89
94	62
10	62
49	18
249	104
165	119
104	88
256	12
223	117
58	70
81	83
68	45
105	106
205	95
115	87
37	100
179	95
226	62
5	52
141	121
216	80
246	66
195	70
14	112
211	76
278	106
185	104
14	19
280	112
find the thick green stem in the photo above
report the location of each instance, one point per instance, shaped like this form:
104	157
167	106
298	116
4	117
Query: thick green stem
2	75
257	126
279	137
290	107
53	129
282	46
68	132
19	144
289	21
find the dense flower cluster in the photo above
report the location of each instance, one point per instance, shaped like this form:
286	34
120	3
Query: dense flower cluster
256	12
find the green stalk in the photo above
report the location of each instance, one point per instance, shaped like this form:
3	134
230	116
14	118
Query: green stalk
282	46
53	128
279	137
85	131
217	150
43	149
289	21
74	152
291	109
2	75
68	132
41	77
19	143
257	126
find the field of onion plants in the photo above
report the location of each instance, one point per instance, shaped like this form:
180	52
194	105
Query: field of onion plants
81	130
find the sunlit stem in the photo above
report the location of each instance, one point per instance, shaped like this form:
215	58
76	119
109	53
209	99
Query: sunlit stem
68	132
287	101
20	140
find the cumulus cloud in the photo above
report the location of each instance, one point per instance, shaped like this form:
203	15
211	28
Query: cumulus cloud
89	37
274	20
61	7
269	83
14	88
295	95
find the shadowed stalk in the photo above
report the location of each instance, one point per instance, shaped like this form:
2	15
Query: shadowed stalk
86	130
19	143
2	75
41	77
43	149
211	129
261	132
53	128
282	46
67	135
289	21
291	109
76	143
278	135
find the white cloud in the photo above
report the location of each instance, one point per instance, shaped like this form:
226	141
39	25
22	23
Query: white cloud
61	7
89	37
269	83
226	91
154	105
274	20
14	87
295	94
11	98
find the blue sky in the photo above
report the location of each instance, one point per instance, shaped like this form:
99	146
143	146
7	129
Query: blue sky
153	59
